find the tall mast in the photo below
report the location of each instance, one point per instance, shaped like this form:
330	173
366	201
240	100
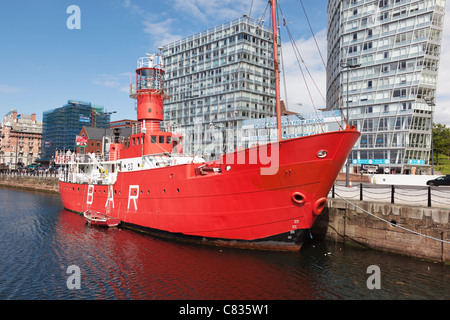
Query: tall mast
276	69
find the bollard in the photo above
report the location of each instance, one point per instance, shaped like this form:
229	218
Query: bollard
392	193
429	196
360	192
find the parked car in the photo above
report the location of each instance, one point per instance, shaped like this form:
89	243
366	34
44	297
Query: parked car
440	181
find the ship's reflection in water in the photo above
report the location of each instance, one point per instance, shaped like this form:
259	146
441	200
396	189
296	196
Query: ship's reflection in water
40	241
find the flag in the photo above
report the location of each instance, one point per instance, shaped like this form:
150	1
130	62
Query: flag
81	141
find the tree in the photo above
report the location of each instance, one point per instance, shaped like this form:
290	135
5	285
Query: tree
441	141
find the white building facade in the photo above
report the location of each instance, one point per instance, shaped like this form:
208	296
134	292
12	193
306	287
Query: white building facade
388	52
217	78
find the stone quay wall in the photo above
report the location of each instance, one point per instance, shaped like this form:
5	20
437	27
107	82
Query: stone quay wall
40	183
427	235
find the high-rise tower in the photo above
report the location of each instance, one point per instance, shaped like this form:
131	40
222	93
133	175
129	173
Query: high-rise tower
388	52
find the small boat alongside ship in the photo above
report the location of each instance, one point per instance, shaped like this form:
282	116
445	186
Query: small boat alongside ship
263	197
96	218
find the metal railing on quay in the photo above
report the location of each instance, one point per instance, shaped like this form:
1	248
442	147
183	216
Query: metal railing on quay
409	195
35	174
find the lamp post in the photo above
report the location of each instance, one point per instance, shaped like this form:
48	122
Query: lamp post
104	136
430	102
348	66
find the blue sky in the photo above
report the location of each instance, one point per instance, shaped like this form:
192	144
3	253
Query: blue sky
43	63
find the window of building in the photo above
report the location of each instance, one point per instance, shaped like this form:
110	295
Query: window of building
352	49
383	3
400	92
367	45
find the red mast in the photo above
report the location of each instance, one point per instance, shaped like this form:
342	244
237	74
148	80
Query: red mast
276	68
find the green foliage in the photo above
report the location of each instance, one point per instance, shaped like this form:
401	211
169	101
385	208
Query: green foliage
441	142
444	165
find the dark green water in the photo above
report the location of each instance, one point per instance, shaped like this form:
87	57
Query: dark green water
39	240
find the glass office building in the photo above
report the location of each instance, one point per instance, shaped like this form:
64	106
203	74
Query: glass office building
62	125
388	52
217	78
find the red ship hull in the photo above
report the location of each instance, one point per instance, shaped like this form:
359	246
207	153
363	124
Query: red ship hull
238	206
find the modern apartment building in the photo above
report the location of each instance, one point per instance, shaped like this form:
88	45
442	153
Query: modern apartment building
262	131
62	125
20	142
383	61
217	78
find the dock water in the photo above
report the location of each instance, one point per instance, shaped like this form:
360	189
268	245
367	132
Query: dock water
415	231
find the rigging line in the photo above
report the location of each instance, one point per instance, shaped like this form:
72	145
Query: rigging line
320	52
395	225
296	50
261	21
321	57
312	78
301	70
250	11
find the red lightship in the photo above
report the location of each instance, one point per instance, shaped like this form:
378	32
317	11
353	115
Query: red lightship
263	197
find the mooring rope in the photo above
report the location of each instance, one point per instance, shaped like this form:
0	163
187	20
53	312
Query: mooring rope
393	224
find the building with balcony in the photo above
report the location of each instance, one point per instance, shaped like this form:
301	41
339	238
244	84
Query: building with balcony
217	78
20	142
383	62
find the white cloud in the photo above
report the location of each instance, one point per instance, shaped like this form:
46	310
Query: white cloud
119	82
161	32
217	10
5	88
186	14
313	78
